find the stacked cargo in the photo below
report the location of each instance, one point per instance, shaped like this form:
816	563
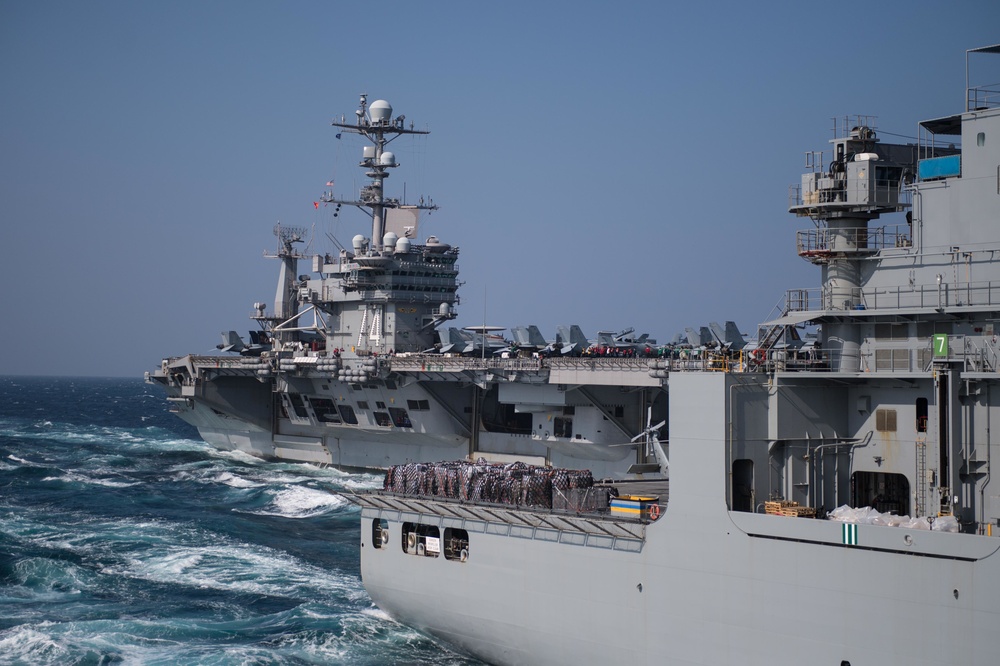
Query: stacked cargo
515	484
787	508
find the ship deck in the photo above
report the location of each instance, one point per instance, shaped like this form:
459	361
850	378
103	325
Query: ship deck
602	523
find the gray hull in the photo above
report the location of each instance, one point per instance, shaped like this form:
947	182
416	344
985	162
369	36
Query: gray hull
420	408
703	585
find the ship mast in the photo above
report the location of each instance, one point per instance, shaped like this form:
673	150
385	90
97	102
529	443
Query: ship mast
865	179
376	123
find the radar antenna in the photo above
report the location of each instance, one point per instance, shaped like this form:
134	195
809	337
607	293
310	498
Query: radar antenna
288	235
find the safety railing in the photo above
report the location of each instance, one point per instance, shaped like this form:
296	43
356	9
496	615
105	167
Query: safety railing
983	97
937	295
859	240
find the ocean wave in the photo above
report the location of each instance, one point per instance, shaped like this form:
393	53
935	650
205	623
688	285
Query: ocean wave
233	481
72	477
244	568
302	502
173	554
34	646
51	578
127	539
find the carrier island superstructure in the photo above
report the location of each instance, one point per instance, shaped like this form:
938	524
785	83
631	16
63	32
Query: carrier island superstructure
831	504
350	368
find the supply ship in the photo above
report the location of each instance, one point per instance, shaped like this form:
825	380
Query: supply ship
352	368
829	503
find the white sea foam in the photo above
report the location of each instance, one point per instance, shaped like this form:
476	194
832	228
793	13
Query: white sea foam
71	477
233	481
174	564
242	568
363	482
302	502
238	456
32	645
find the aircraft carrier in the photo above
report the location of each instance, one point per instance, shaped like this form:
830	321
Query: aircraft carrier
353	368
827	503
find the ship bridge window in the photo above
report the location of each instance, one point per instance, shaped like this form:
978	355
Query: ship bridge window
382	419
379	404
418	405
423	540
347	413
400	418
380	533
456	544
363	404
888	176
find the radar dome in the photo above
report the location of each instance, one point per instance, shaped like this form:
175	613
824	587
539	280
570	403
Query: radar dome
434	245
380	110
359	243
389	241
402	246
387	159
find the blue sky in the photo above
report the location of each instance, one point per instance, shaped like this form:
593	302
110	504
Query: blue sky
607	166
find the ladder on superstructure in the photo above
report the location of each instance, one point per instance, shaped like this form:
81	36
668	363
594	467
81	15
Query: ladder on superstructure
921	476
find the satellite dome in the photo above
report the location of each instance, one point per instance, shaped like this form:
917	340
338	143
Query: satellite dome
387	159
389	240
380	110
402	246
436	246
359	243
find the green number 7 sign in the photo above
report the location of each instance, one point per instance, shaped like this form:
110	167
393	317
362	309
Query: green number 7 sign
940	344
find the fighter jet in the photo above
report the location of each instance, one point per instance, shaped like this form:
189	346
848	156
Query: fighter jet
730	337
570	341
472	340
528	337
232	342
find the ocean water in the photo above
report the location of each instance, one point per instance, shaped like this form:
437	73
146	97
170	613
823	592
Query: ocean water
125	539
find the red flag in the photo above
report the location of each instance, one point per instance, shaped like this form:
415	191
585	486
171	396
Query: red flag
315	204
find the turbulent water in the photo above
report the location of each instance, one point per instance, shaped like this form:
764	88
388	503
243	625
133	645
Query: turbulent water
126	539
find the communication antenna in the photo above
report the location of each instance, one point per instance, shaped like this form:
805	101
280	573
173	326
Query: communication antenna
288	235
